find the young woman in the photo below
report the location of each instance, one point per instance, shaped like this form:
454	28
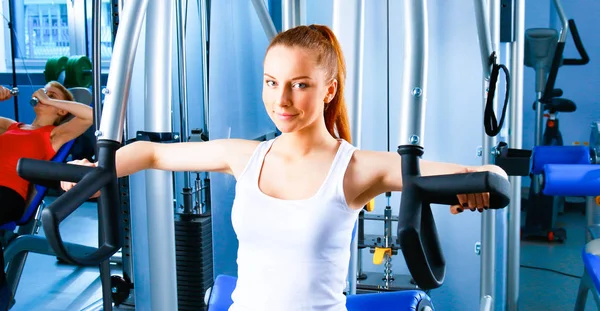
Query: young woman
298	195
38	140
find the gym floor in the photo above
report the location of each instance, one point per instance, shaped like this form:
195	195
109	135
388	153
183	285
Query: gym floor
49	285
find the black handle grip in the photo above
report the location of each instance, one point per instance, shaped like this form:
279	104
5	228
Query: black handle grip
89	181
417	233
443	189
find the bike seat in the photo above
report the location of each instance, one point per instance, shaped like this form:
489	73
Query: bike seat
561	105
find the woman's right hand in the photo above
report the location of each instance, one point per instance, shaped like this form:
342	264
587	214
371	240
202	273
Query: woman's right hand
41	95
4	93
67	185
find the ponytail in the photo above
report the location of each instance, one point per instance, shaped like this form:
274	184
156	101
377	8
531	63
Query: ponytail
322	40
336	114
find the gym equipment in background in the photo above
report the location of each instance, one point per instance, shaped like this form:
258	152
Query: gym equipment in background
590	280
74	71
544	52
18	244
383	247
541	161
103	177
544	49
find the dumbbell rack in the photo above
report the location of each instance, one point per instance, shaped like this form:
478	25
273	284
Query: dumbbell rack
381	281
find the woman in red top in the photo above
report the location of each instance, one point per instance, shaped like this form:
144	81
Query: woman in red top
38	140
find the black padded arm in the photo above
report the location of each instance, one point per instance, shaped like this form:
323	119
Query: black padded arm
89	181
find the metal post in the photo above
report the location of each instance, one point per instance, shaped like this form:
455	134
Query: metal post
265	19
415	70
515	141
96	60
485	42
11	28
592	213
121	68
292	13
348	24
183	100
204	31
488	219
159	196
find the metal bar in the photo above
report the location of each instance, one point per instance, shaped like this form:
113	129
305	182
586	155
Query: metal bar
265	18
592	213
121	68
515	140
159	184
539	121
415	70
11	28
563	20
292	14
96	60
204	31
488	219
182	70
485	42
486	303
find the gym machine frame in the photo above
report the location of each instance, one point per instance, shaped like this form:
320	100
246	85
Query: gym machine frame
416	229
425	260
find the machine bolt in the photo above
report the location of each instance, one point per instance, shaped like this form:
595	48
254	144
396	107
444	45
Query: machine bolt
105	91
417	92
478	248
98	133
114	290
414	139
479	151
494	152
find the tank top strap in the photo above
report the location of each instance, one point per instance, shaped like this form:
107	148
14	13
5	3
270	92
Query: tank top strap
255	162
339	167
15	125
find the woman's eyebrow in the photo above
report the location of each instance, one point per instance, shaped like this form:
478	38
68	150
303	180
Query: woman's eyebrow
296	78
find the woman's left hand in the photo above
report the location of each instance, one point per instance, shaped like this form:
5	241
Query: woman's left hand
41	96
476	201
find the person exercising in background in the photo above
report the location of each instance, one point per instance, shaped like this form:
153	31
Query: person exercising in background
39	140
297	196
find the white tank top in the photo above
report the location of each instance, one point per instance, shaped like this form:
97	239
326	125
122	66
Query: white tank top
293	254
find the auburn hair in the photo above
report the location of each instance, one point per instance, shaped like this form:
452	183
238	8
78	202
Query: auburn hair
67	96
323	44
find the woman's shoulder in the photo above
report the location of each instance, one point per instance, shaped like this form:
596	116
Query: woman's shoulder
243	146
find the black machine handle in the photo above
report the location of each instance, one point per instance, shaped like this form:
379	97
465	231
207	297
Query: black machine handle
579	45
558	59
89	181
417	232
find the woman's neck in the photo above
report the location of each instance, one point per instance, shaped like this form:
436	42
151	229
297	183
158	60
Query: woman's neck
304	141
40	122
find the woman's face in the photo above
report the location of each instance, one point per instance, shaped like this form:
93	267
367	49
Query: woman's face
295	88
43	109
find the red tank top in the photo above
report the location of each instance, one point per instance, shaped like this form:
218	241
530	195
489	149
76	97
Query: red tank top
17	143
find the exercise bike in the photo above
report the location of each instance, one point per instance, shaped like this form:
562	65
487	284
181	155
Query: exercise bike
544	49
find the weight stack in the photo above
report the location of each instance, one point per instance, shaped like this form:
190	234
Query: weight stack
194	256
